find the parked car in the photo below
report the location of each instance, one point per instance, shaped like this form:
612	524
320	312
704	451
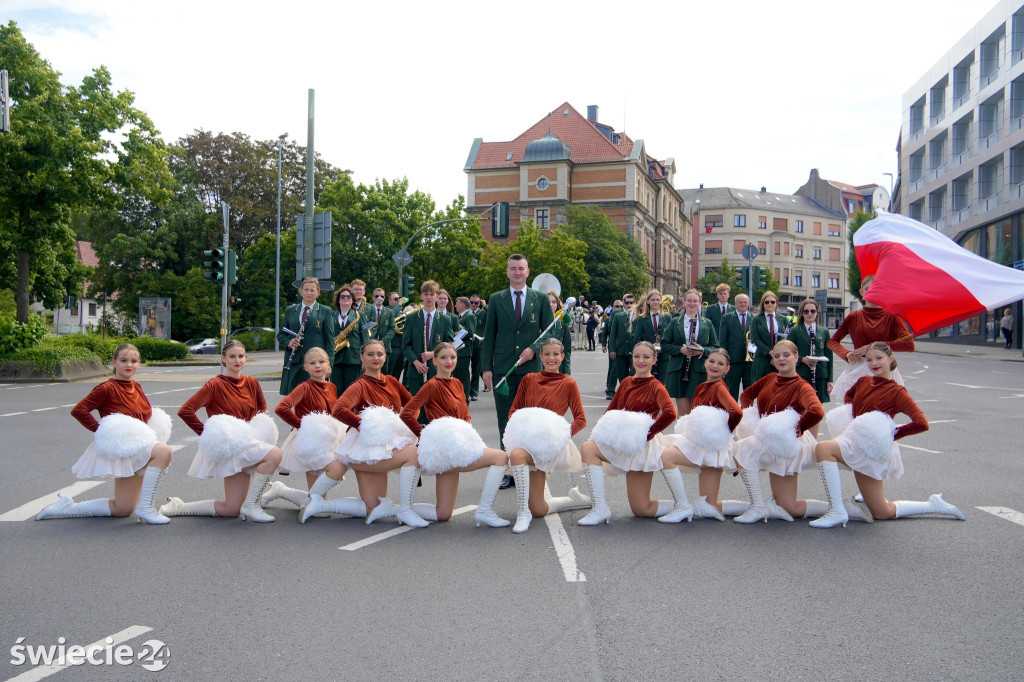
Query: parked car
203	346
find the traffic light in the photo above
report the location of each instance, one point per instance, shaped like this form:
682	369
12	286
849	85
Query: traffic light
499	220
760	278
235	301
407	285
232	278
743	277
215	263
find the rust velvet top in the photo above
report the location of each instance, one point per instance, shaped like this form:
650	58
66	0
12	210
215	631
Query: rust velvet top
885	395
113	396
439	398
646	395
775	393
369	392
553	391
309	396
241	397
716	394
868	325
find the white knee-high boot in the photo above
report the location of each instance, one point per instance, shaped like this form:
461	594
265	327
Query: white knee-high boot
600	512
407	477
758	510
176	507
574	500
734	507
279	490
484	513
934	505
521	473
836	514
144	509
66	507
251	508
314	503
681	510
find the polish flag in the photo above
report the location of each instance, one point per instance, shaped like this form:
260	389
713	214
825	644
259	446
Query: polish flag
925	278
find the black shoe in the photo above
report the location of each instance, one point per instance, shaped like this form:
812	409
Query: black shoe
608	397
473	398
507	482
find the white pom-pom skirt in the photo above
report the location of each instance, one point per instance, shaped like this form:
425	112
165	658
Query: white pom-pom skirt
857	460
227	447
751	454
355	449
704	439
448	443
856	369
648	459
547	437
120	446
311	446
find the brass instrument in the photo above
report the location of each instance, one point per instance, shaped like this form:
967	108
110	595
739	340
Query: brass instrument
749	358
400	319
341	341
666	304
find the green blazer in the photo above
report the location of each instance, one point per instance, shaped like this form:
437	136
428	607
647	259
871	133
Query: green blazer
504	340
319	333
714	314
441	329
396	339
733	336
385	328
350	355
760	337
563	332
467	321
643	330
674	339
620	334
823	372
481	324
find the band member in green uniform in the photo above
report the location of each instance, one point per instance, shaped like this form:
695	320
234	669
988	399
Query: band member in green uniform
765	332
650	326
620	338
479	311
563	332
686	365
396	361
716	311
382	317
515	319
811	340
733	337
347	345
611	380
466	321
318	331
424	329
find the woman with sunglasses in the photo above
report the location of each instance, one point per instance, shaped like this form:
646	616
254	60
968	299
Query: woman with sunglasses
864	327
811	341
766	330
349	341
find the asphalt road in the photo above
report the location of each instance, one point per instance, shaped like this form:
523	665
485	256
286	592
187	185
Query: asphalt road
909	599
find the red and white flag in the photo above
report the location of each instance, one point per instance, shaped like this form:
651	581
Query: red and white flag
926	278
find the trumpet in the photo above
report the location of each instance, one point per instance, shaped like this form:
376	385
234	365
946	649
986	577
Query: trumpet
666	304
400	320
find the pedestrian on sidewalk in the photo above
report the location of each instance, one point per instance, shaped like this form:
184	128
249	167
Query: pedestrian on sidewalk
1006	324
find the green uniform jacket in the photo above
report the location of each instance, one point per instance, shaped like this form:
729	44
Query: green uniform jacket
504	340
714	314
674	339
760	337
643	330
823	372
467	321
319	333
350	355
384	329
441	329
620	334
733	336
396	339
481	324
563	332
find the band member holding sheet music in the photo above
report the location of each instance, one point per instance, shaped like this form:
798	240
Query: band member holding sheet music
351	332
424	329
306	325
811	341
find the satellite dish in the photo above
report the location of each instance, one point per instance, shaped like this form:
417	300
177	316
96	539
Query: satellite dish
546	282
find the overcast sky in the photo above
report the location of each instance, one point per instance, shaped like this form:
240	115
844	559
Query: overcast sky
740	94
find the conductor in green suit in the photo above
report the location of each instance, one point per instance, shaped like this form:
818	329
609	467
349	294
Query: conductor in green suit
319	332
716	311
424	329
515	319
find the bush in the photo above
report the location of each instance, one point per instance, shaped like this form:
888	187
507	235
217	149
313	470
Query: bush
15	336
150	349
47	357
158	349
248	339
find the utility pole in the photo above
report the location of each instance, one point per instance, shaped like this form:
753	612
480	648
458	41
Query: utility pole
308	243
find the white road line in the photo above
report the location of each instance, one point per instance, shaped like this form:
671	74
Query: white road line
12	414
44	409
941	421
1019	395
44	671
563	548
373	539
929	400
1005	513
911	447
30	509
993	388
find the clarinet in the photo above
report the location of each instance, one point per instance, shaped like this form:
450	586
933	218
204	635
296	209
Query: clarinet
814	351
302	331
689	359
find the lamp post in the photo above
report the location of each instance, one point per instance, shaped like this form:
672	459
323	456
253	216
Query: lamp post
277	265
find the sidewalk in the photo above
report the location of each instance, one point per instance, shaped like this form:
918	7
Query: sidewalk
991	351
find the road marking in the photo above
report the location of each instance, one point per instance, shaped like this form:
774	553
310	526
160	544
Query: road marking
911	447
12	414
44	409
929	400
373	539
30	509
563	549
1005	513
1018	395
994	388
44	671
941	421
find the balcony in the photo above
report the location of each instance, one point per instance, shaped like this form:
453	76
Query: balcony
988	203
936	173
961	215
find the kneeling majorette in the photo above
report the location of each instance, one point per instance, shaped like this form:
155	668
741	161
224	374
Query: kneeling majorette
449	445
130	437
376	442
237	438
867	444
539	440
776	437
705	435
315	433
628	437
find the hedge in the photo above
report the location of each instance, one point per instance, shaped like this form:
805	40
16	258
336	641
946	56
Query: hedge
266	340
46	358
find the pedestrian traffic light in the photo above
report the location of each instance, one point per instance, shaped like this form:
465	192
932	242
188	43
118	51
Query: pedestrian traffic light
407	285
743	277
760	278
235	301
215	263
232	278
499	220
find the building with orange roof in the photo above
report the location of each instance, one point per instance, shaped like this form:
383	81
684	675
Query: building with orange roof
842	197
565	158
78	314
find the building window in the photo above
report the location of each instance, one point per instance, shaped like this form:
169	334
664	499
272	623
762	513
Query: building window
817	253
543	218
833	230
92	310
833	253
542	183
799	226
799	252
816	280
778	248
739	221
785	280
762	223
833	282
712	221
762	250
798	280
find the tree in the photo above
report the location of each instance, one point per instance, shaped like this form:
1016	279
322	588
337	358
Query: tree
559	253
445	253
58	157
614	261
723	274
852	270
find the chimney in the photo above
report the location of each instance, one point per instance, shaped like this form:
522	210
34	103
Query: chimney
763	190
592	112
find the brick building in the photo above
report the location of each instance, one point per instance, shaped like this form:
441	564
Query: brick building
565	158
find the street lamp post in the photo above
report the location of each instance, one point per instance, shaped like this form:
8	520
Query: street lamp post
277	265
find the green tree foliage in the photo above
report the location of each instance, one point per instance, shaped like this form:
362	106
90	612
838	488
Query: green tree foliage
724	273
59	157
559	253
852	270
615	263
771	284
445	253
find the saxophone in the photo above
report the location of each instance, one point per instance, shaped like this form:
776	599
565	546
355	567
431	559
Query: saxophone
341	341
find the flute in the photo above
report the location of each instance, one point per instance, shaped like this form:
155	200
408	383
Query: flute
302	330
